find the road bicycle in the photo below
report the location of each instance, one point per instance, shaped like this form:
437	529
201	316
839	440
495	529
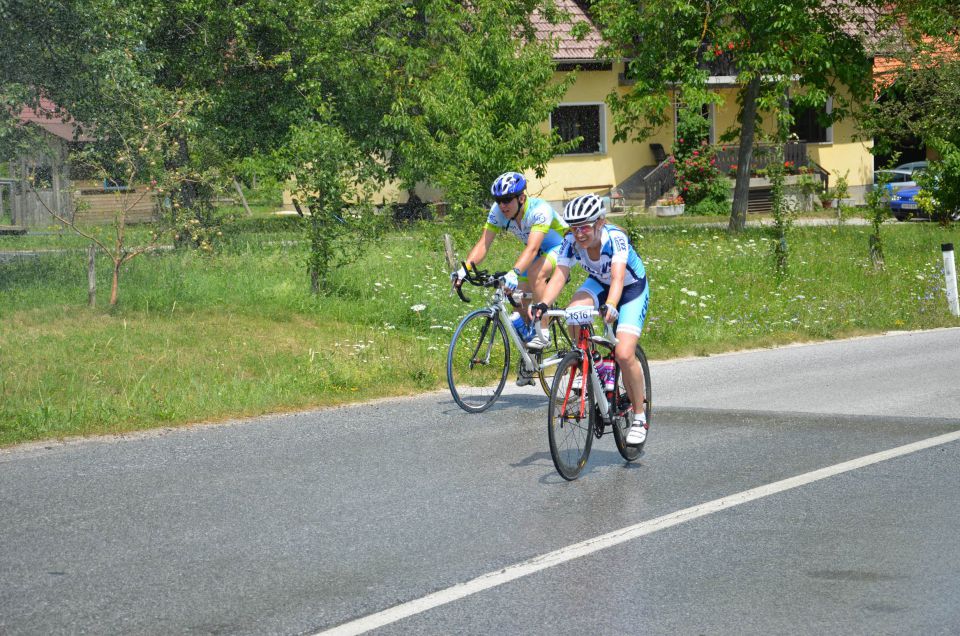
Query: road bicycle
580	408
478	360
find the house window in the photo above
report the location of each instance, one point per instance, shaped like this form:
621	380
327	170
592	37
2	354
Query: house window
807	125
581	120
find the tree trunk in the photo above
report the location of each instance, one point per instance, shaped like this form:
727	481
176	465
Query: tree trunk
115	286
748	124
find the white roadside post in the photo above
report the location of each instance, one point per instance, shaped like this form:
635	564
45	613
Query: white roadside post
950	278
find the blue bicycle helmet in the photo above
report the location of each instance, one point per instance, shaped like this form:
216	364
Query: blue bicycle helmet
509	184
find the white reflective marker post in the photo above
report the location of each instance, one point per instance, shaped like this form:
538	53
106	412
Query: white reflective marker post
950	278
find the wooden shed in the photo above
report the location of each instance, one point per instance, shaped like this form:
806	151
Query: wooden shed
85	201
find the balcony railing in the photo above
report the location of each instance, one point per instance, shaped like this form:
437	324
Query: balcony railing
662	178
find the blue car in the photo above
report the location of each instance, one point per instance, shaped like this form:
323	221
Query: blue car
903	206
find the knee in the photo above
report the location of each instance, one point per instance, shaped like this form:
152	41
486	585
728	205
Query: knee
625	356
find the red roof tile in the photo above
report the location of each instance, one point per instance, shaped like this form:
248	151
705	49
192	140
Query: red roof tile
46	116
570	49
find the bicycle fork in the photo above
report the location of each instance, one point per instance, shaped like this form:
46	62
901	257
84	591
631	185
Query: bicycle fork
600	399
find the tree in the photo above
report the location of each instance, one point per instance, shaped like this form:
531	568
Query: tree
816	44
442	92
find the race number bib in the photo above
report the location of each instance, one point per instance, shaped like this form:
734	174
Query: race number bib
580	316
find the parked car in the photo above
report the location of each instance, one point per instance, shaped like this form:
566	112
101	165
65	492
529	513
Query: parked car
901	177
903	206
913	166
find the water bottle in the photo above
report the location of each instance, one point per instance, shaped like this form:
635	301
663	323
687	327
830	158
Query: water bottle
607	372
525	332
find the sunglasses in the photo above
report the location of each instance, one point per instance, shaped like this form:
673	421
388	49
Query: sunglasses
581	229
504	200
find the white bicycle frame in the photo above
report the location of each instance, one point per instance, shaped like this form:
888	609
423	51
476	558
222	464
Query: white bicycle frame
500	306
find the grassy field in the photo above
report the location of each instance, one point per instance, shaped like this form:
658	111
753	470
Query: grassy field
205	338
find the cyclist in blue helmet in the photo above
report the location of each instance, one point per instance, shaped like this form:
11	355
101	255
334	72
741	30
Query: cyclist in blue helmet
538	226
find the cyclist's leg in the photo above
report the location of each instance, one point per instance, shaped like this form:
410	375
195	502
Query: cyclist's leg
632	316
585	296
539	273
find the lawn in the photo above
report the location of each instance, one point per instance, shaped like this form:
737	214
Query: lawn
212	337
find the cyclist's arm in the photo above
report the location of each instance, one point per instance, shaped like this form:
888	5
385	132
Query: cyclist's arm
558	279
529	253
618	271
479	251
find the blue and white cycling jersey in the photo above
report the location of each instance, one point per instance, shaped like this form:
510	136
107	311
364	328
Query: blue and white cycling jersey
614	248
538	216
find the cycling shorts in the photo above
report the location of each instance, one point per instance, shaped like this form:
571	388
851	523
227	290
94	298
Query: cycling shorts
633	303
551	256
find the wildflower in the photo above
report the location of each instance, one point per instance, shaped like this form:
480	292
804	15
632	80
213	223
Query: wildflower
418	308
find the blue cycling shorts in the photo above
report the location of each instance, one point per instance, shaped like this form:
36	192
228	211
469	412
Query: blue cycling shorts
633	303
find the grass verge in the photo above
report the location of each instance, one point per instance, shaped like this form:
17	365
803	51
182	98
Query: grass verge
235	334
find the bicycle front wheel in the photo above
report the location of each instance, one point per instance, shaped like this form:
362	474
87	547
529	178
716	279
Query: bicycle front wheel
478	361
569	424
623	415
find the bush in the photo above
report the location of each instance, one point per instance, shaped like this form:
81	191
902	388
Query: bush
698	178
709	207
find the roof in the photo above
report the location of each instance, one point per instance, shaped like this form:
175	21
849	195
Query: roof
887	69
570	49
54	120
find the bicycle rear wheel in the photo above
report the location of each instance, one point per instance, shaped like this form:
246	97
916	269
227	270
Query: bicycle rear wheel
623	418
478	361
569	423
551	354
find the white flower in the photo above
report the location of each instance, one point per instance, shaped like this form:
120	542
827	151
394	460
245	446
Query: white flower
418	308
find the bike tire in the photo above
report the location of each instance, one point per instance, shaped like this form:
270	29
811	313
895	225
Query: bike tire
559	346
622	424
475	386
570	434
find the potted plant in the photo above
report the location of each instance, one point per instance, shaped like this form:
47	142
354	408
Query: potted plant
669	206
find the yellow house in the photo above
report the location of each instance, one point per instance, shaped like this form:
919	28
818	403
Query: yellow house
600	164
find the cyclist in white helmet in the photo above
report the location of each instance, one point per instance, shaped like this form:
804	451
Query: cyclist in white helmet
617	279
539	228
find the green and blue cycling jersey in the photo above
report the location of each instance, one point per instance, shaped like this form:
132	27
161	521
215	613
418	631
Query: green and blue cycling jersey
538	216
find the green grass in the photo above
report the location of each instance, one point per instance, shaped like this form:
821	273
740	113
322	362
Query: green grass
206	338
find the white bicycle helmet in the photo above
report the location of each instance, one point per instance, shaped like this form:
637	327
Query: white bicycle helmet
584	209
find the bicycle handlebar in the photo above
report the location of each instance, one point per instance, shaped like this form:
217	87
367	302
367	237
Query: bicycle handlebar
481	278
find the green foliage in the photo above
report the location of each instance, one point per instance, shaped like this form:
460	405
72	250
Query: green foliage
942	181
698	178
878	209
709	207
765	43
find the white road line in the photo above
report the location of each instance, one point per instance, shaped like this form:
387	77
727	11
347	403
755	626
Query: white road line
617	537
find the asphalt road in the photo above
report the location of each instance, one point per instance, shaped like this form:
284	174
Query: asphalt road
299	523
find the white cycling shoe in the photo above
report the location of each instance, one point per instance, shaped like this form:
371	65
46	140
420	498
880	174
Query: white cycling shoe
637	434
539	341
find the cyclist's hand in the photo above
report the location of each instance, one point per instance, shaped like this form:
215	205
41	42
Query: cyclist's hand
611	314
457	277
511	279
537	311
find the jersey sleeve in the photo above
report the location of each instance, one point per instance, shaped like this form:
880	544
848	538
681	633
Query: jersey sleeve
567	256
620	247
495	220
540	218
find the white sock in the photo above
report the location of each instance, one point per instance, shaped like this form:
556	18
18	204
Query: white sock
640	419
